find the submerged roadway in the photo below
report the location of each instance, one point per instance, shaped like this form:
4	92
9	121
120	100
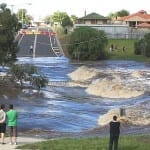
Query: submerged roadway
43	40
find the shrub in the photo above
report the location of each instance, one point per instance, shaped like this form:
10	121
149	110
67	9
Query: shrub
142	47
87	44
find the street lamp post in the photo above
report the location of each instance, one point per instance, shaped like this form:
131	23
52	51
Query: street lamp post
22	17
22	13
12	8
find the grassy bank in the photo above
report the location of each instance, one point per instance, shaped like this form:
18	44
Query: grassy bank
125	143
128	54
118	53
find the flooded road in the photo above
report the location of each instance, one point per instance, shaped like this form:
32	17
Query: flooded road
72	109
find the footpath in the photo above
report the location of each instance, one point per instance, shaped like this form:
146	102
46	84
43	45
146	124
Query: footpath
20	141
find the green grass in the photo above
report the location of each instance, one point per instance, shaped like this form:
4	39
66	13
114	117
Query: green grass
115	55
129	51
125	143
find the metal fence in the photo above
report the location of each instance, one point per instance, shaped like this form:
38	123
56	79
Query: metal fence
118	31
125	35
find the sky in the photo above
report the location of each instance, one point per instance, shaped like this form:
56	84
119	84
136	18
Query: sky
41	8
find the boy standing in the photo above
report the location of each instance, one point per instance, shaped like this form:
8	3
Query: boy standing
12	116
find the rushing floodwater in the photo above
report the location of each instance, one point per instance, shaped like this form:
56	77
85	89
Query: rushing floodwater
67	109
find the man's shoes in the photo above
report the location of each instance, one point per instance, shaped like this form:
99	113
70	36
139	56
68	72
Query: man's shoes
10	143
15	143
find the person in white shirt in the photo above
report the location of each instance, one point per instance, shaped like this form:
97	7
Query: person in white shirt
2	123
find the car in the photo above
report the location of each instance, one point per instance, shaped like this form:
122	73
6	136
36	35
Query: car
25	26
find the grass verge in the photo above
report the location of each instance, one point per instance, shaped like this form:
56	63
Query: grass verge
117	54
128	54
125	143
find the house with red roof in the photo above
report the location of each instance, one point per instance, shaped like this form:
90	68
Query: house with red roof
138	20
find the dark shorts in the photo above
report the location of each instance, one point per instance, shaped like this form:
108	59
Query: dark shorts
13	131
2	127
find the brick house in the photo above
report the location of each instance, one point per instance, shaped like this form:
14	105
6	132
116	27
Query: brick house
138	20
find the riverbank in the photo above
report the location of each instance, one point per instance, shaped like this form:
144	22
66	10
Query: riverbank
117	53
94	143
30	137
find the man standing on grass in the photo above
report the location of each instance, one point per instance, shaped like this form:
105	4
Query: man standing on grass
114	133
12	116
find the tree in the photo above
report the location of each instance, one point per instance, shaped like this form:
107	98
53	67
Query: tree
17	74
112	15
27	74
48	19
59	16
67	22
142	46
147	45
87	44
8	29
39	81
74	18
23	17
122	13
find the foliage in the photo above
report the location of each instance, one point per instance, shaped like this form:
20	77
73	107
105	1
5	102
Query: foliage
87	44
142	46
74	18
8	28
23	17
147	45
96	143
48	19
59	17
62	18
138	45
112	15
27	73
39	81
122	13
67	22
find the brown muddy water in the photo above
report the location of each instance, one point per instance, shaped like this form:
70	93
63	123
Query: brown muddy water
72	107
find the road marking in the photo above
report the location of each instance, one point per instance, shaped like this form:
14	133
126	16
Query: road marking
35	40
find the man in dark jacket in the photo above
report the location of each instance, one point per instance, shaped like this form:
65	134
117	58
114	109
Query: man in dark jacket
114	133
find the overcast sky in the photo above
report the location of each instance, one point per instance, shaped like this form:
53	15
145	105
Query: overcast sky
42	8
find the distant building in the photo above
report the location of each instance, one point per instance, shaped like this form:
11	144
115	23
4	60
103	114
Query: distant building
93	18
134	26
137	20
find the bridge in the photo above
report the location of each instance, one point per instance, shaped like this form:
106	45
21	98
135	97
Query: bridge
43	40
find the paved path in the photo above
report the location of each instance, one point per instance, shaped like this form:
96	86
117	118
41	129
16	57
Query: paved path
20	141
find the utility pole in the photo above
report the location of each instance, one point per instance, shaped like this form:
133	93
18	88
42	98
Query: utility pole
12	8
